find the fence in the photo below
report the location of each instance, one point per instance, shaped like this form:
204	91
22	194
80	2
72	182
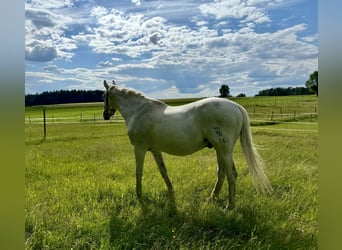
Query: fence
82	118
272	115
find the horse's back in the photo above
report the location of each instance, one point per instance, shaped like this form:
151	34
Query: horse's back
218	110
207	115
207	104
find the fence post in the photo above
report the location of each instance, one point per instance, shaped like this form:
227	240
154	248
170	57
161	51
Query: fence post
44	121
294	116
272	116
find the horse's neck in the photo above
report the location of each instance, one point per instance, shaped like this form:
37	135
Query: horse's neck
128	105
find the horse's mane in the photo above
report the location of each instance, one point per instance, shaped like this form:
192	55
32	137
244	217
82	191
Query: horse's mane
129	91
132	92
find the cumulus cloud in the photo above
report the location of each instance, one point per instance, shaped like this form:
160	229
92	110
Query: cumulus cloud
49	4
39	18
52	68
41	53
119	33
237	9
155	38
42	18
104	64
45	35
136	2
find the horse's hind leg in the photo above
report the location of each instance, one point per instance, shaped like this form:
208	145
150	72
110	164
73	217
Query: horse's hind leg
231	176
226	168
219	182
161	166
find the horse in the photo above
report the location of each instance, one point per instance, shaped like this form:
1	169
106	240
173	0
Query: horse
182	130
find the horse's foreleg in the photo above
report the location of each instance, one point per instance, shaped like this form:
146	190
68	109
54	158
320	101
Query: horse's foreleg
139	160
161	166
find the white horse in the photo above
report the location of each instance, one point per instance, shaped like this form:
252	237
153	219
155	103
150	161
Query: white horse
182	130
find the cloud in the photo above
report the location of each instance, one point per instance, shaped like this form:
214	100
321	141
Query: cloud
311	38
75	78
118	33
40	18
41	52
237	9
43	18
52	68
104	64
45	36
136	2
154	38
49	4
114	59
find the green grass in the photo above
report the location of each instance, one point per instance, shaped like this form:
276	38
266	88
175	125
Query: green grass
80	191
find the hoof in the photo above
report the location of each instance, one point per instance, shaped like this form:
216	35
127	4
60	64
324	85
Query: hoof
229	207
212	198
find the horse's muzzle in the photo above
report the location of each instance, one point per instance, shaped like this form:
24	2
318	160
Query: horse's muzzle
107	115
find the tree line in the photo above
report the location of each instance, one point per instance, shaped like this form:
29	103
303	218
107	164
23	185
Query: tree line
285	91
63	96
224	91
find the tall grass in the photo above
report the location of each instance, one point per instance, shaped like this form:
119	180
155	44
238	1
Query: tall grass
80	193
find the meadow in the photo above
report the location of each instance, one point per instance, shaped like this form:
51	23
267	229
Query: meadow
80	184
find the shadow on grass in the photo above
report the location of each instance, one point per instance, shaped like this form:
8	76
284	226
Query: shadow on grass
158	225
35	142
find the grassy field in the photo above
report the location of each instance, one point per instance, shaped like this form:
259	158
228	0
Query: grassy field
80	185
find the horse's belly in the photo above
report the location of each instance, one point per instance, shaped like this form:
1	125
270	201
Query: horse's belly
180	147
182	151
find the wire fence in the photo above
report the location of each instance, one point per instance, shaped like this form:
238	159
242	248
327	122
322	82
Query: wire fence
82	118
87	118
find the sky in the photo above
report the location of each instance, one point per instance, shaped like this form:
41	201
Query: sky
170	49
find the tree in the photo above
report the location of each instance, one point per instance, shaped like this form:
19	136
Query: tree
312	83
224	91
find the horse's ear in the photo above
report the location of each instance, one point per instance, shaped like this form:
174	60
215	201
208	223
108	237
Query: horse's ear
105	84
114	83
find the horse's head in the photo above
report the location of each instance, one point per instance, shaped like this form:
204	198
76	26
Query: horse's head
109	108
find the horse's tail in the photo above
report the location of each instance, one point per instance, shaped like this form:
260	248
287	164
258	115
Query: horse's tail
254	161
